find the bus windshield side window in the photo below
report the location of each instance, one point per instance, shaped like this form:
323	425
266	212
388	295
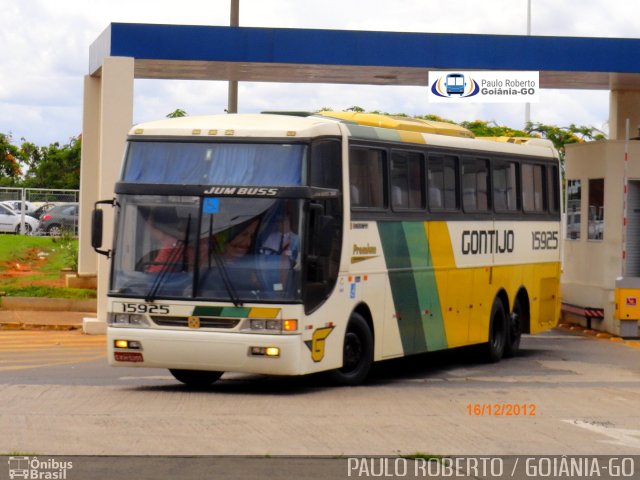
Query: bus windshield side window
443	184
367	177
406	180
475	184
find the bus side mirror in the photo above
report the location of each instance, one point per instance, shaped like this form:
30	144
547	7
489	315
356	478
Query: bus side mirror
96	229
97	222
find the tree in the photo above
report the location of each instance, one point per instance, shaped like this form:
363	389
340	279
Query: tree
10	157
178	112
54	166
561	136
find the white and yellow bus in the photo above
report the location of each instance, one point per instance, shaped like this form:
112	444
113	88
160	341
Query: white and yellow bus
325	242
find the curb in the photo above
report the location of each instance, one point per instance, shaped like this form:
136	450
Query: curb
580	330
37	313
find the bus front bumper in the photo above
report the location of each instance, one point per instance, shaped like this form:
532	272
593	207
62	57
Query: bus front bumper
204	350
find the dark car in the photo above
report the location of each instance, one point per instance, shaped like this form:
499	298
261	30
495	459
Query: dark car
61	218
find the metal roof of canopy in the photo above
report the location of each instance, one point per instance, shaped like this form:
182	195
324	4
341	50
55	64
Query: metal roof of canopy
362	57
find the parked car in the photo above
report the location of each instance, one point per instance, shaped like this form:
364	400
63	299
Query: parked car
10	221
16	205
61	218
41	209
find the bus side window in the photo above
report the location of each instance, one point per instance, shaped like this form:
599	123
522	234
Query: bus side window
533	188
367	178
475	184
505	182
442	176
407	172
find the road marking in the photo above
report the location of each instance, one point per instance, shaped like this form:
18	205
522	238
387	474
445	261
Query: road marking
620	436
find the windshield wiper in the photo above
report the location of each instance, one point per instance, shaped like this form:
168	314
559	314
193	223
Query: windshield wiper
179	250
222	269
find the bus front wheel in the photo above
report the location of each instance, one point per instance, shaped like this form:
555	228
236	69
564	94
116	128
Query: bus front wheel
196	378
494	349
357	354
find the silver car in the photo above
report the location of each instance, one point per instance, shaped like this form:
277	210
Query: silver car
10	221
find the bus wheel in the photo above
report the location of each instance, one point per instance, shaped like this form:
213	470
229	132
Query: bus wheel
514	331
494	350
357	355
196	378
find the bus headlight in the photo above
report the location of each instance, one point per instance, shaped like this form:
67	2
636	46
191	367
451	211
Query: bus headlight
271	325
127	320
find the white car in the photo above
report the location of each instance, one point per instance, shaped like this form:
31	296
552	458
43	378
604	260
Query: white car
17	205
10	221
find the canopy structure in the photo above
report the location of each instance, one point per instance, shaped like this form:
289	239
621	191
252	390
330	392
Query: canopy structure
124	52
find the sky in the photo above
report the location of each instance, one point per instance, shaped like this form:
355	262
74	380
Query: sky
44	49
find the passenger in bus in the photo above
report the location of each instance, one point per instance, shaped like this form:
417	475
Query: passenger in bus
238	241
166	231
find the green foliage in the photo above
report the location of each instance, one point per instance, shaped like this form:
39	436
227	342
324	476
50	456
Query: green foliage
60	253
48	292
10	157
54	166
561	136
481	128
67	247
178	112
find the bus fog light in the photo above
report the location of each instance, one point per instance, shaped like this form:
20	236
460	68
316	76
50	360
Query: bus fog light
264	351
132	344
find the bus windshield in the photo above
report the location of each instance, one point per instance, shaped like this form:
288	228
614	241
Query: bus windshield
197	163
210	248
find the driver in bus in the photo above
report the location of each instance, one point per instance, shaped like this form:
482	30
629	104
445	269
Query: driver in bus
169	253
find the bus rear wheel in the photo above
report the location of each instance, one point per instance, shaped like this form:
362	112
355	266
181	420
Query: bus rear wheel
514	331
357	355
494	349
196	378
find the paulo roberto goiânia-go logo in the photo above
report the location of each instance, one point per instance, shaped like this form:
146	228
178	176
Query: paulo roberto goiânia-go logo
455	85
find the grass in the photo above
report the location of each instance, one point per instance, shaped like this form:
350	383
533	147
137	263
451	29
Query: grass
46	257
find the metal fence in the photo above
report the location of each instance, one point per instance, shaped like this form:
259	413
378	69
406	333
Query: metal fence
42	211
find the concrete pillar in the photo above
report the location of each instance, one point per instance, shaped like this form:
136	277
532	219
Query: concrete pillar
624	104
89	173
115	120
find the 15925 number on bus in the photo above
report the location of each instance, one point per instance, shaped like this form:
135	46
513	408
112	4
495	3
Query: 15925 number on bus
544	240
144	308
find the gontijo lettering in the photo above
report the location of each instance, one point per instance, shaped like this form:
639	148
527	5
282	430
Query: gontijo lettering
479	242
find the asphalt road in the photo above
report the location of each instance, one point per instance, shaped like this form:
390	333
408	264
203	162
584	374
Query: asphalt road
565	394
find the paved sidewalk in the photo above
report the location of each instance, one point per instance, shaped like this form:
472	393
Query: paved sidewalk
42	320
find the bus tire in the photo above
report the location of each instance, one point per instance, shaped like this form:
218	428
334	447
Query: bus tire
357	355
195	378
514	331
494	349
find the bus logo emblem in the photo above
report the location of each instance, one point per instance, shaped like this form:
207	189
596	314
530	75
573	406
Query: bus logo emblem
193	322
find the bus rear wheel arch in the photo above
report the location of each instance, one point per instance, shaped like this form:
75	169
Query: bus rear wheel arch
196	378
357	352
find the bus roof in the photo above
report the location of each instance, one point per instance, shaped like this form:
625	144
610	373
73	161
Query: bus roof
367	126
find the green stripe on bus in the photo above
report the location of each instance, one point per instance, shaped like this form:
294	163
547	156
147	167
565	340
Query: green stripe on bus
426	285
403	286
234	312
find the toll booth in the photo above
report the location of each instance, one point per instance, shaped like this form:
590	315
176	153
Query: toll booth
601	250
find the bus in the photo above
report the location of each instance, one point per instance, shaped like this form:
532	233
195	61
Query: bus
301	243
455	84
